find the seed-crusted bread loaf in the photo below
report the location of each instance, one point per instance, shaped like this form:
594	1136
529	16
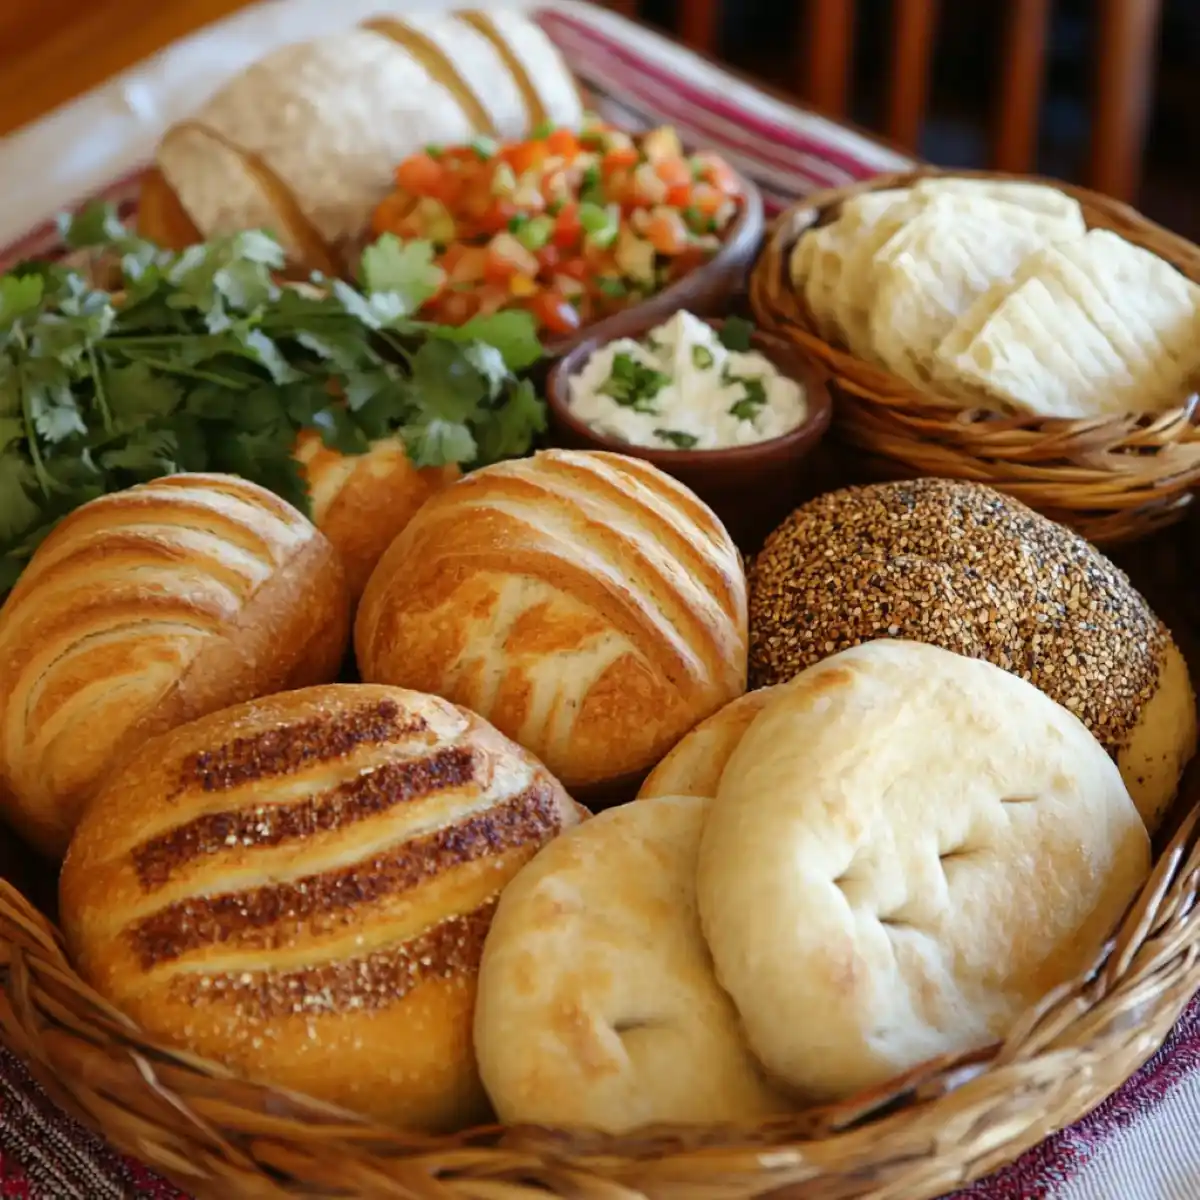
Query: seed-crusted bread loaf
299	887
964	567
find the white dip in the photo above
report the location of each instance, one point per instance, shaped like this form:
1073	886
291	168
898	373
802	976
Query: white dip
680	388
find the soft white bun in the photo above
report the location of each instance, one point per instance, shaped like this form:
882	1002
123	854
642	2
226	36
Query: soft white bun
597	1004
907	849
587	604
145	609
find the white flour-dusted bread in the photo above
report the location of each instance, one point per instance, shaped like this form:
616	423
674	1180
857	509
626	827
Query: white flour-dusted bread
597	1002
587	604
300	887
304	141
145	609
907	850
360	502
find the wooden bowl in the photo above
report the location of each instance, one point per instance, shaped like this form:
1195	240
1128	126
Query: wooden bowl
751	488
706	291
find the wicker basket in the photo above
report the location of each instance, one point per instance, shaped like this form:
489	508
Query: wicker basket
1113	479
942	1126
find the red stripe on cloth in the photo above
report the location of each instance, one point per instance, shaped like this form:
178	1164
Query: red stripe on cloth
769	131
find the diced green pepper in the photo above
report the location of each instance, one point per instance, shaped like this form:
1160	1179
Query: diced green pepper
484	146
535	233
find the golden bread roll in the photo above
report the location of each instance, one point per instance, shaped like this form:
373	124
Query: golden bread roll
694	767
304	142
360	502
966	568
587	604
907	850
145	609
597	1003
299	887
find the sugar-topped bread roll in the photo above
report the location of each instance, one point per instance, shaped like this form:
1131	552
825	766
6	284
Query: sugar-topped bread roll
145	609
966	568
597	1002
907	849
360	502
587	604
299	887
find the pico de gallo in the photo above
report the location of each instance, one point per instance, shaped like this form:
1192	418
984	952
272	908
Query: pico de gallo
569	226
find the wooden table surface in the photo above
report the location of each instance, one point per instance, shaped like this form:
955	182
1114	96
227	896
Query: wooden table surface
54	50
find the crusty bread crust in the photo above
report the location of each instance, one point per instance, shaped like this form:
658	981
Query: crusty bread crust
145	609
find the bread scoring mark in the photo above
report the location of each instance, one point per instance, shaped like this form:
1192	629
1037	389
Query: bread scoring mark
287	749
374	791
449	950
273	915
530	95
1018	799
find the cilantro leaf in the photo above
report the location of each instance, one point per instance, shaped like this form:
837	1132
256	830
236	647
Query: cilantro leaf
446	383
135	393
633	384
338	431
736	333
436	442
677	438
54	410
512	332
402	269
95	224
18	511
513	427
148	454
19	294
12	430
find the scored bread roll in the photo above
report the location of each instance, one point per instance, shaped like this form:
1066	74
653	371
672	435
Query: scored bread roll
145	609
966	568
597	1003
360	502
587	604
304	142
299	887
907	850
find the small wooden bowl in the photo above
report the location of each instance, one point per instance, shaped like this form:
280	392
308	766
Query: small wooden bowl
751	488
706	291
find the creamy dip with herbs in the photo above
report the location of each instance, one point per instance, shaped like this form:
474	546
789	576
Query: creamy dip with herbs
681	387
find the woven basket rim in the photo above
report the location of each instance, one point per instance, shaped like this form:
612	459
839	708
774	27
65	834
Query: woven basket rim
215	1135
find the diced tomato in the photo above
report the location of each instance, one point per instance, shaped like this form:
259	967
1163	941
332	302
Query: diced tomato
562	143
554	312
674	172
463	263
666	231
496	216
455	308
391	212
548	257
525	156
680	196
575	268
618	186
567	229
618	160
420	175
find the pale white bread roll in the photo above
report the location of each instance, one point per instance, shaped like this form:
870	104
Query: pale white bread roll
932	269
1089	327
361	502
695	766
597	1002
587	604
966	568
145	609
300	887
304	142
907	850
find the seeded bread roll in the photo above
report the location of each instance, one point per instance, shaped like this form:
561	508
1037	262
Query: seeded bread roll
145	609
305	141
963	567
587	604
360	502
299	887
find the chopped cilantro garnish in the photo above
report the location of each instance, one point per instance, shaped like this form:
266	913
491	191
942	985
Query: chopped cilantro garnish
677	438
633	384
747	408
610	285
543	131
744	410
702	358
434	151
591	189
484	146
736	333
517	223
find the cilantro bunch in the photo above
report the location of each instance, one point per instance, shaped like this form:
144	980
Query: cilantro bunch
202	361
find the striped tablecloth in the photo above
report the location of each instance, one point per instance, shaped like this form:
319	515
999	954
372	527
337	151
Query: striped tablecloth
1142	1144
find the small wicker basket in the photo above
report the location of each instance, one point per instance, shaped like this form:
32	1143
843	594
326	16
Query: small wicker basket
1113	479
944	1125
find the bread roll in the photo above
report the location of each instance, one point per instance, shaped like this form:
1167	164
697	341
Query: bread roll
361	502
597	1003
961	566
299	887
145	609
587	604
907	849
304	142
694	767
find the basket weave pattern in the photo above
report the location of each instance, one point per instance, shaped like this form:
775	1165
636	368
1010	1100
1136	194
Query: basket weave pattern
1114	479
942	1126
